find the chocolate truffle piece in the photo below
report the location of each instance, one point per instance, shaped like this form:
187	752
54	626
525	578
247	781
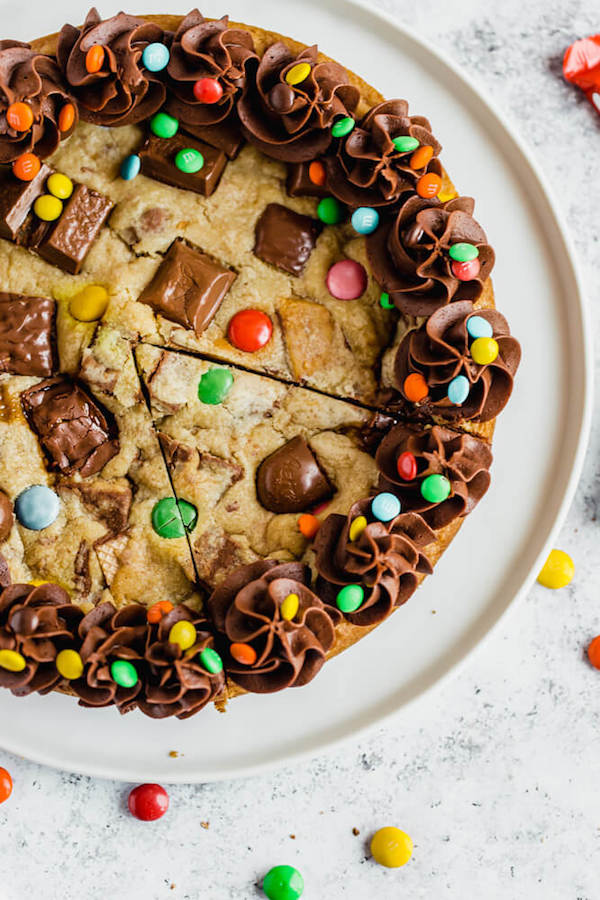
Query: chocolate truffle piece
7	516
188	287
298	183
16	199
27	335
285	238
66	242
290	479
158	161
74	431
225	136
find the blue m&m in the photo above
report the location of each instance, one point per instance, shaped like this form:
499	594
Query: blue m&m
156	57
478	327
130	167
365	220
458	390
385	506
37	507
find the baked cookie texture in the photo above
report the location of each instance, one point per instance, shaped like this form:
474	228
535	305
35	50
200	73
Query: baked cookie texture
249	360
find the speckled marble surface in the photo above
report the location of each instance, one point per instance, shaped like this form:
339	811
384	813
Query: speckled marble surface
495	776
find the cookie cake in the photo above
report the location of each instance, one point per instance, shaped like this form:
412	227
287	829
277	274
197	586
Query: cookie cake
250	361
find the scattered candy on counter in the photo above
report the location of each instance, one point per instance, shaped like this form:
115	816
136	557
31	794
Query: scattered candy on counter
404	143
211	661
283	883
171	518
163	125
357	526
183	633
37	507
435	488
385	506
158	610
407	466
342	127
26	166
244	654
429	185
308	525
415	387
148	802
69	664
478	327
557	571
317	173
124	673
385	302
458	389
6	785
207	90
330	211
466	271
89	304
156	57
391	847
593	652
365	220
250	330
581	66
94	59
289	607
346	280
350	598
214	386
130	167
189	160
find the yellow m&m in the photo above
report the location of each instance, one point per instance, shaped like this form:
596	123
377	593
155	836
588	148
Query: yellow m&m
289	607
48	208
60	186
484	350
89	304
183	633
69	664
298	73
557	571
357	526
12	661
391	847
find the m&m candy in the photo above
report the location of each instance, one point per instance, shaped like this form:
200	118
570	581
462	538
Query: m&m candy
6	785
289	607
458	390
308	525
60	186
189	161
385	302
484	351
421	157
12	661
130	167
26	166
391	847
124	673
158	610
66	118
593	652
317	173
183	633
156	57
407	466
463	252
385	506
250	330
48	208
207	90
330	211
19	116
163	125
365	220
37	507
211	661
69	664
298	73
478	327
466	271
350	598
283	883
557	571
342	127
94	58
148	802
346	280
404	143
435	488
415	387
429	185
244	654
172	518
357	526
89	304
214	386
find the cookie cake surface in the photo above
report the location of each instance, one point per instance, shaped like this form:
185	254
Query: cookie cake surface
250	361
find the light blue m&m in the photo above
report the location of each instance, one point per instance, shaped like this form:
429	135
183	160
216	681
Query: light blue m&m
37	507
365	220
458	390
478	327
156	57
130	167
385	506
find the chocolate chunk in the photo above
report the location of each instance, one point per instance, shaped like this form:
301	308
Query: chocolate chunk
7	516
74	431
290	479
158	161
27	335
226	136
66	242
298	182
16	199
188	287
285	238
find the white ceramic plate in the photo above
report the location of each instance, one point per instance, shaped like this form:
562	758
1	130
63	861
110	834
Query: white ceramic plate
539	446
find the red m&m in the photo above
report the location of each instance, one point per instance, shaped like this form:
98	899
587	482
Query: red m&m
207	90
250	330
407	466
148	802
466	271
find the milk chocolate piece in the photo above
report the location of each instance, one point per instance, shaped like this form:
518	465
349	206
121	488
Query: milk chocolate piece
188	287
16	199
27	335
66	242
7	516
76	434
298	183
290	479
285	238
158	161
226	136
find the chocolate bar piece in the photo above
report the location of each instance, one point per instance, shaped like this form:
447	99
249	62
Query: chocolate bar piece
158	161
298	183
285	238
188	287
27	335
226	136
66	242
16	199
76	434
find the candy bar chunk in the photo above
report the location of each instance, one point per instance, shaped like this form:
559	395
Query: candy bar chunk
225	136
66	242
291	480
16	199
285	238
166	160
27	335
300	184
188	287
75	433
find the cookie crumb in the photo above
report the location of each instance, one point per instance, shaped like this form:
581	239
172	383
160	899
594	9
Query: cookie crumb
293	837
172	887
433	612
355	832
205	825
174	754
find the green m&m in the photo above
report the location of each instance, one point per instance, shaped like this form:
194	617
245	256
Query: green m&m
435	488
384	301
404	143
283	883
463	252
342	127
330	211
163	125
211	661
214	386
189	160
171	518
124	673
350	598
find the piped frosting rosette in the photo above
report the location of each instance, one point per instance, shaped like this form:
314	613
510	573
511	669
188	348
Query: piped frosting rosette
383	559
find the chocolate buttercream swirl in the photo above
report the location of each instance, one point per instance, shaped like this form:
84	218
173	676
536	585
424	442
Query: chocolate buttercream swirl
171	682
368	169
461	458
246	608
440	351
123	91
37	621
34	79
293	122
409	257
386	559
203	49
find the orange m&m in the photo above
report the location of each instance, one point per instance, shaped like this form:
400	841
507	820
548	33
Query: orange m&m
250	330
316	172
66	117
26	167
308	525
158	610
243	653
415	387
94	58
19	116
6	785
421	157
429	185
593	652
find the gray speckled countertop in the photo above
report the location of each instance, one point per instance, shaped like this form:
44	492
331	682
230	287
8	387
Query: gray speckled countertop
495	776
